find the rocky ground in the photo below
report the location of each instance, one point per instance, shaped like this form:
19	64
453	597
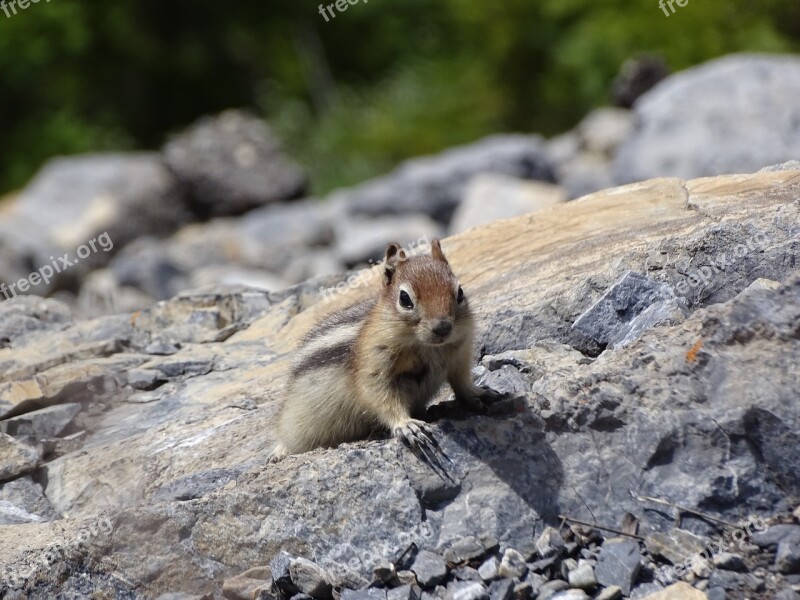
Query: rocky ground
647	339
135	445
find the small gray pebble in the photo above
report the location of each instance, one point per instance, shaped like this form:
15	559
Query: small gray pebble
403	592
466	590
582	576
787	558
551	588
613	592
488	570
550	543
367	594
501	589
729	561
466	574
512	565
384	571
571	595
430	569
310	578
716	593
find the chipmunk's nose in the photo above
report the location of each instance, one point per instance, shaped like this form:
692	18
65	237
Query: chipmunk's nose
442	327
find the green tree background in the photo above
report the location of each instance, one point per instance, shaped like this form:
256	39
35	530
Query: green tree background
383	81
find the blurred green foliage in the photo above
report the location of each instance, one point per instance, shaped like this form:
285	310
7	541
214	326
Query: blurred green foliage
383	81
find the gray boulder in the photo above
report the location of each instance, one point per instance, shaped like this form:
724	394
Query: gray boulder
491	196
231	163
103	200
735	114
631	306
618	564
16	458
23	501
583	158
362	240
434	185
269	248
42	424
25	314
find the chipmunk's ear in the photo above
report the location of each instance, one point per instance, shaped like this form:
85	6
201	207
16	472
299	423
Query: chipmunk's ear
436	251
394	254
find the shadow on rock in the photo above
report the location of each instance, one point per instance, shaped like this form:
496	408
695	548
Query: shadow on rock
509	475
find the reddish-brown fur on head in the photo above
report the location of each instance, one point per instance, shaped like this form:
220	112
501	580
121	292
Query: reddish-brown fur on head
423	292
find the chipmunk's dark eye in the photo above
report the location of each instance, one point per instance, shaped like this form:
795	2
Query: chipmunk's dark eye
460	295
405	300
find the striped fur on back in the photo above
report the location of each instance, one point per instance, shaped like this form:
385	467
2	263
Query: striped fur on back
332	339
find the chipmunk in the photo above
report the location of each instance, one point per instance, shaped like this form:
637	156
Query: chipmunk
377	363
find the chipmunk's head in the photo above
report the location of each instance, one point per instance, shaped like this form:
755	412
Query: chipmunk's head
423	292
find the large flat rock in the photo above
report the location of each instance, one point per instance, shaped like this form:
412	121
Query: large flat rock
699	411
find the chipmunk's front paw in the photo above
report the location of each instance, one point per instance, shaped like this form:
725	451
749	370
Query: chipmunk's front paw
418	436
489	396
277	454
415	434
481	399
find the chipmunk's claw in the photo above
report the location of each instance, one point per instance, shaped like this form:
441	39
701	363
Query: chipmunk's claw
417	436
277	454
